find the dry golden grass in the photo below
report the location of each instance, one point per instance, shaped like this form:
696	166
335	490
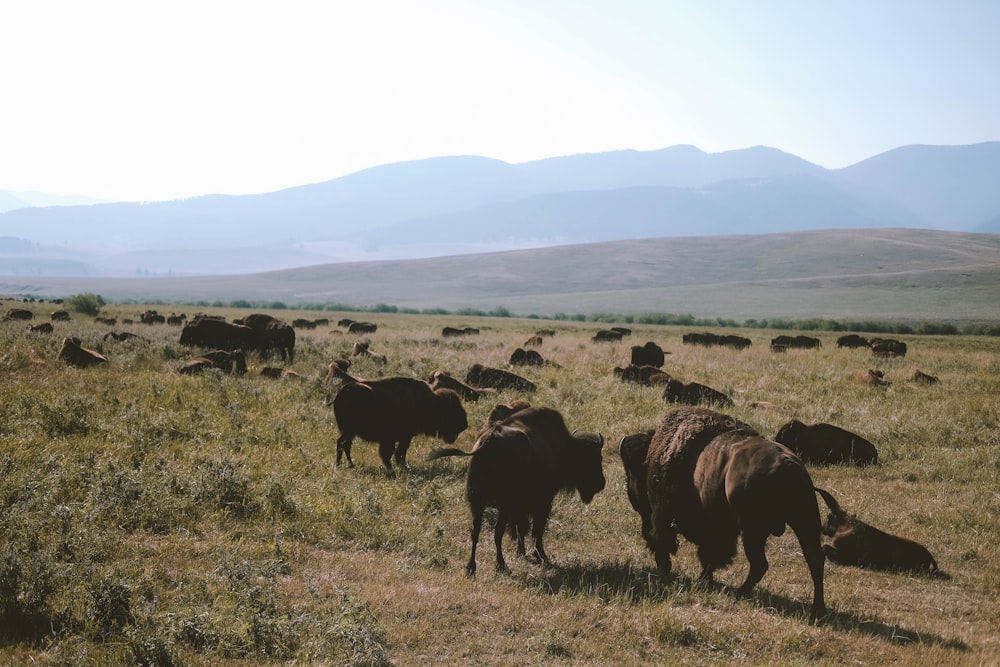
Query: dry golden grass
152	517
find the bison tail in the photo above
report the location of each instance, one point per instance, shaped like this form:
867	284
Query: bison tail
447	451
830	501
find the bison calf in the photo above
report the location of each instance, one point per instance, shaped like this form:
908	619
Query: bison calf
519	463
711	478
391	411
857	543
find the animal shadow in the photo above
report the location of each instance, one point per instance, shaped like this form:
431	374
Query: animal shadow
626	581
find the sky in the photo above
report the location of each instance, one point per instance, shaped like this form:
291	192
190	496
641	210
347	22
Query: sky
149	101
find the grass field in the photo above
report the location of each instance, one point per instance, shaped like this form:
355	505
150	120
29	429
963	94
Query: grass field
153	518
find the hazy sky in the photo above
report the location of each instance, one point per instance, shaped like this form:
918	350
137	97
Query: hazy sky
159	100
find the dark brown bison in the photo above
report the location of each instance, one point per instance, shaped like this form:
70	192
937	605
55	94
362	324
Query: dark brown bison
152	317
522	357
923	378
649	354
176	320
826	444
607	336
270	334
217	335
546	332
735	342
857	543
885	348
852	341
441	380
43	328
59	316
362	327
693	393
302	323
391	411
110	321
645	375
519	463
74	354
711	478
18	314
497	378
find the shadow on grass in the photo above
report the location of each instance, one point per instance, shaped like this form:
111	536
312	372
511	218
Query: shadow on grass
626	581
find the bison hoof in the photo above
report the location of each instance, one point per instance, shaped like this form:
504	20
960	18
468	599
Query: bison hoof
818	613
470	570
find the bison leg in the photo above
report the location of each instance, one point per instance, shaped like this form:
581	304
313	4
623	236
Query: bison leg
477	525
519	529
538	530
498	532
815	555
401	450
385	450
662	539
754	541
344	448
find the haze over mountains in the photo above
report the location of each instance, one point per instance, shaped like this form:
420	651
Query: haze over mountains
460	205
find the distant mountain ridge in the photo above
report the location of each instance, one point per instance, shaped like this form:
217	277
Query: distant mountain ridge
455	205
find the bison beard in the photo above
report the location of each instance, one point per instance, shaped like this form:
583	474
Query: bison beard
391	411
710	477
519	463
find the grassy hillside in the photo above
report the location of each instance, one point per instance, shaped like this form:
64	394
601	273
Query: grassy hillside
153	518
878	274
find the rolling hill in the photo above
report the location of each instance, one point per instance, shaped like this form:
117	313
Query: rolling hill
878	274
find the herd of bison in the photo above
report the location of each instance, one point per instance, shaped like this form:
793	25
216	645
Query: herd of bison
700	473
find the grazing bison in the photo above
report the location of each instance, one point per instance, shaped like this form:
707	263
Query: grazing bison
649	354
74	354
519	463
59	316
885	348
645	375
362	327
176	320
269	334
522	357
826	444
43	328
710	478
18	314
391	411
852	341
217	334
607	336
497	378
693	393
857	543
441	380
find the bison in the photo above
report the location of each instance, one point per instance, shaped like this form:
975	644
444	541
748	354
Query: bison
852	341
270	334
826	444
534	341
391	411
649	354
362	327
522	357
885	348
18	314
645	375
59	316
782	343
711	478
441	380
607	336
921	377
519	463
217	334
74	354
225	361
497	378
43	328
693	393
857	543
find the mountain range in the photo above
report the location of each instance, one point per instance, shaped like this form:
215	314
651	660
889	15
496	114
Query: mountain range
468	204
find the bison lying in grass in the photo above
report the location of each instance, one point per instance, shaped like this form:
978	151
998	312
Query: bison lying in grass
711	478
826	444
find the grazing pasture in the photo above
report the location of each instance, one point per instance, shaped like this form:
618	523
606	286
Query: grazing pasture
152	517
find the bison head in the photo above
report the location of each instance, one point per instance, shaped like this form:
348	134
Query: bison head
588	472
451	417
789	434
